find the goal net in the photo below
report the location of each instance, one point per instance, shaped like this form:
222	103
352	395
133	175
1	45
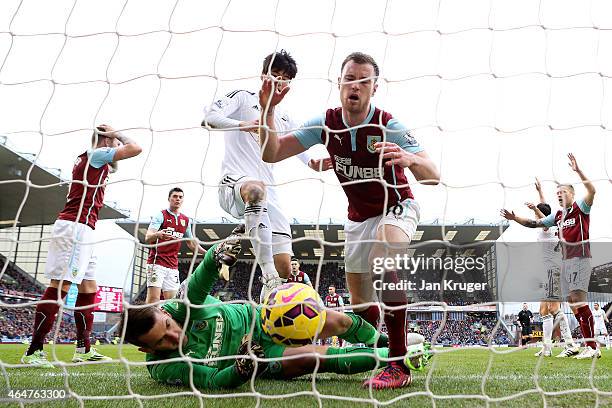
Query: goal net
497	92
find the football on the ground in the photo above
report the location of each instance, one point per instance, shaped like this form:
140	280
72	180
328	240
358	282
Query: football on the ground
293	314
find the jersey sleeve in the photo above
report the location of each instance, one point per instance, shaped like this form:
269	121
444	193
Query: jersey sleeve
101	156
219	114
310	132
307	279
400	135
584	207
204	378
203	279
156	221
548	221
188	230
340	301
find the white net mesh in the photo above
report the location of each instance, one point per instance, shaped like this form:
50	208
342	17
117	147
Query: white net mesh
496	91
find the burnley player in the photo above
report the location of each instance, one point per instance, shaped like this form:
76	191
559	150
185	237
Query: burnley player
215	346
550	306
247	188
601	332
296	275
166	231
572	221
71	258
333	300
369	150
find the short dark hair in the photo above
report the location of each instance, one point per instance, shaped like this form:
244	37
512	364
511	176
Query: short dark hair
281	61
294	259
137	321
361	58
544	208
332	286
175	190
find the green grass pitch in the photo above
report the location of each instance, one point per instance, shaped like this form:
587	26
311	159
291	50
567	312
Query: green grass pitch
505	378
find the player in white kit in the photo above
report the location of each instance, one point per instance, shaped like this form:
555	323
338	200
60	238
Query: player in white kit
247	184
550	306
601	332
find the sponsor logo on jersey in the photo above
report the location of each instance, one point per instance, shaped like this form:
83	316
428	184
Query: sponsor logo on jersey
371	141
567	223
349	171
217	342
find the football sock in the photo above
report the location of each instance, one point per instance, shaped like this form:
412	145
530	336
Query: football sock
587	325
257	224
371	315
43	321
566	334
83	320
547	328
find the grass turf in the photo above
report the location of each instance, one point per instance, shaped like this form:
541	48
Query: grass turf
455	378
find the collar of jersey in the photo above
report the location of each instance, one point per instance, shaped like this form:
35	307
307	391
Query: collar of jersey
354	130
171	213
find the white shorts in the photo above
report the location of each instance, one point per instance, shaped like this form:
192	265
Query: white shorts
601	331
71	252
161	277
357	253
231	202
575	275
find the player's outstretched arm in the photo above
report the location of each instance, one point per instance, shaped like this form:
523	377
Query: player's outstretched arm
219	115
538	188
273	147
129	149
525	222
536	211
590	188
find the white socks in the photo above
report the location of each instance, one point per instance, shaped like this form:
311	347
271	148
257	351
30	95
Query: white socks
547	327
257	225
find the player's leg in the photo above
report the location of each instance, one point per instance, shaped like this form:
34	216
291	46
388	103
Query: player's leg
358	278
83	319
59	272
281	236
547	329
350	360
571	349
393	235
352	328
171	283
155	280
583	314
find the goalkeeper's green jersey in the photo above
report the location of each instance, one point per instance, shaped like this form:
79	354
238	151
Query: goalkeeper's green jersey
214	332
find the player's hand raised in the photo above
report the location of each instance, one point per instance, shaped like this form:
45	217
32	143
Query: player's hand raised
269	94
531	206
572	162
538	185
320	164
509	215
395	154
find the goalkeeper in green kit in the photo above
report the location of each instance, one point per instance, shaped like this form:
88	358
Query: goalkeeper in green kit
222	345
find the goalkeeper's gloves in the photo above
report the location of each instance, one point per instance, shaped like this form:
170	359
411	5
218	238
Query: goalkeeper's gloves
245	365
